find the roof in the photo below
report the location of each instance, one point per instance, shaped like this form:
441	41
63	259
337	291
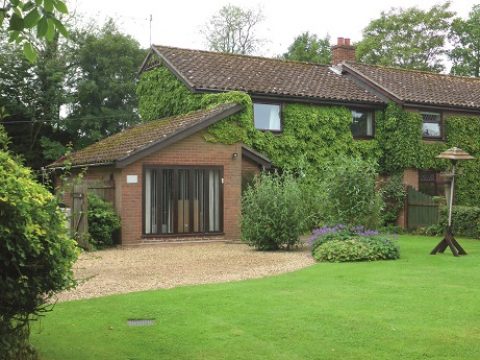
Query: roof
212	71
136	142
419	87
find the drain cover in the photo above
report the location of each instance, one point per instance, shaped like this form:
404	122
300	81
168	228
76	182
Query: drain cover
140	322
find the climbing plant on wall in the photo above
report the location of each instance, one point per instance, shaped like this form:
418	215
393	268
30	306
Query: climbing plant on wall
312	135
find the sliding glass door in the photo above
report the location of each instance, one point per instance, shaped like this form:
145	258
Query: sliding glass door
183	200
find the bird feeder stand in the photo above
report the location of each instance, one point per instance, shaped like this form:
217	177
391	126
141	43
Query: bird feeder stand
454	155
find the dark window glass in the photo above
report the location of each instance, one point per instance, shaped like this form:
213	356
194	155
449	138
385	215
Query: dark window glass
362	124
267	116
185	200
431	127
430	183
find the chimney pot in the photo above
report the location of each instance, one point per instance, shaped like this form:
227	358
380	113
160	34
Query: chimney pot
343	51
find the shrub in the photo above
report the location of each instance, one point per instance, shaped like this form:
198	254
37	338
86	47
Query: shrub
36	255
340	244
342	251
103	222
357	249
393	194
465	220
350	194
312	202
272	212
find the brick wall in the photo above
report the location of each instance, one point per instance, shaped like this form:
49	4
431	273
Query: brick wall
192	151
343	51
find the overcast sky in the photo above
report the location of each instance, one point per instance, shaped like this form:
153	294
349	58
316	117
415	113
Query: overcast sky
178	22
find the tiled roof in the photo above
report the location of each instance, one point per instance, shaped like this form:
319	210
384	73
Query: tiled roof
421	87
145	136
205	70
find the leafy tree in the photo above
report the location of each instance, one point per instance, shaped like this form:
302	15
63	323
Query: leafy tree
465	35
36	254
308	47
232	30
25	16
103	81
408	38
31	96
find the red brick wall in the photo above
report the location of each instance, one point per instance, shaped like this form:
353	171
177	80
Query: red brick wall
189	152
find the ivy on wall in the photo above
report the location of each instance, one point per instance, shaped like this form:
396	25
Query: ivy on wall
311	136
464	132
399	134
314	135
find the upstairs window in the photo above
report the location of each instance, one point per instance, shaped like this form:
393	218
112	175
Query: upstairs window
267	116
362	124
432	125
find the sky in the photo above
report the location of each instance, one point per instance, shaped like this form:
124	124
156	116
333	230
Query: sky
178	22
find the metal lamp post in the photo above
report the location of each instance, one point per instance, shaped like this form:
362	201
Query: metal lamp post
454	155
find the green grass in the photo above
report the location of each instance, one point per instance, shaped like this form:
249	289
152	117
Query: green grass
418	307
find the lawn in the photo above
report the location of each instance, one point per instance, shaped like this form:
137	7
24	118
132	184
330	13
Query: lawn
418	307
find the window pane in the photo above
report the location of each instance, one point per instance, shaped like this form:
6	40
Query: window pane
166	202
150	201
267	116
213	200
431	129
362	123
183	204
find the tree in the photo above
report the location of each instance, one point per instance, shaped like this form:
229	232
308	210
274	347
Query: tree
103	81
36	254
32	95
465	35
25	16
308	47
408	38
232	30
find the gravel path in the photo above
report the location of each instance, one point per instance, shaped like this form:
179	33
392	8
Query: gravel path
124	270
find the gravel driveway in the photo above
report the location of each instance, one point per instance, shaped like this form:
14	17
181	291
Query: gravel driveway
123	270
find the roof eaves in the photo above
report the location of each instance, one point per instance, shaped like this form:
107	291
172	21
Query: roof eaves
56	166
256	157
299	98
357	74
179	135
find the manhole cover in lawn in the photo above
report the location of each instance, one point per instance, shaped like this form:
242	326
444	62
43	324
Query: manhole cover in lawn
140	322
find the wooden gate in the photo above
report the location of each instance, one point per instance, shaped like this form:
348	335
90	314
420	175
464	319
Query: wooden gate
422	210
79	222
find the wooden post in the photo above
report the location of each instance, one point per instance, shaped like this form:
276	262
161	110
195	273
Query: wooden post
79	220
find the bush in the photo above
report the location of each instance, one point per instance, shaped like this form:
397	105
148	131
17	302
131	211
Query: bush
103	222
393	194
272	212
465	220
312	202
340	244
36	255
350	194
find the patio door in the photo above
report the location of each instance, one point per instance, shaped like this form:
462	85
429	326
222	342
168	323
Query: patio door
183	200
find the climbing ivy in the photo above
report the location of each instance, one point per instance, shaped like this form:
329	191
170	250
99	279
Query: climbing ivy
399	134
464	132
313	135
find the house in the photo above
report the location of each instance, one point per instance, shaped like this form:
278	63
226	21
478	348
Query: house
179	178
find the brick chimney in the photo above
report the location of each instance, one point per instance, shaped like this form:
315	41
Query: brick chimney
343	51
